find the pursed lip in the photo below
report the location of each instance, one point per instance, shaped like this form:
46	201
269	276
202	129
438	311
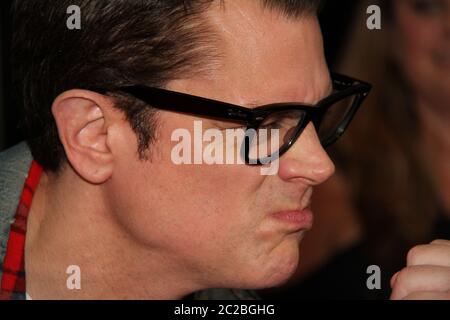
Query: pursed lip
298	219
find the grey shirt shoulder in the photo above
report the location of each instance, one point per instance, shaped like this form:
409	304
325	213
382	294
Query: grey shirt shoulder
14	166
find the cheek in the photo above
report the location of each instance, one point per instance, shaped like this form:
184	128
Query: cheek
415	43
414	40
204	217
187	210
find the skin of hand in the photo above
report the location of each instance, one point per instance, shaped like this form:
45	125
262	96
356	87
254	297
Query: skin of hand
427	274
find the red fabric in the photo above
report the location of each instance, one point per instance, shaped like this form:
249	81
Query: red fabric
13	279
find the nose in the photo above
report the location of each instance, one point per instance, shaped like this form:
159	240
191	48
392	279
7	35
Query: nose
306	160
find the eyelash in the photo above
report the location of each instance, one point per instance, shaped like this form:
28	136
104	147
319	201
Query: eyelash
272	125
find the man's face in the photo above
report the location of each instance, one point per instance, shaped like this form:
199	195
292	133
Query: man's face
218	223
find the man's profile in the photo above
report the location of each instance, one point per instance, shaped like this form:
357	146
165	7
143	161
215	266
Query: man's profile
100	105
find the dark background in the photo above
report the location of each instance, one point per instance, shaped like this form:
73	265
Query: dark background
335	19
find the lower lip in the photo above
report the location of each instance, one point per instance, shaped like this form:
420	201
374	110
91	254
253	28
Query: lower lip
302	219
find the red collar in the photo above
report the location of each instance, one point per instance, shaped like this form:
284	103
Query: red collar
13	279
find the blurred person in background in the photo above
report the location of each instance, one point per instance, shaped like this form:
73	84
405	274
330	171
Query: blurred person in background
391	191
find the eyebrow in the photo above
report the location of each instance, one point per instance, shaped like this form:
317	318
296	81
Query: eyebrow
252	104
257	103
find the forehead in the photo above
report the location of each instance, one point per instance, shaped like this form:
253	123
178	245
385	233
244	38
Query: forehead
265	51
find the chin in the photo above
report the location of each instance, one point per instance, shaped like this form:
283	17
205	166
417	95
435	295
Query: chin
285	262
278	269
281	275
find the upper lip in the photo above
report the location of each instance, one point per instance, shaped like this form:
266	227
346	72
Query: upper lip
306	200
304	204
296	209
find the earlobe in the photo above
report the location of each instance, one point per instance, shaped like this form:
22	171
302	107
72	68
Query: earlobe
81	118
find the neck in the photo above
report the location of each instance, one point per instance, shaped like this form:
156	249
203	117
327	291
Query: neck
70	224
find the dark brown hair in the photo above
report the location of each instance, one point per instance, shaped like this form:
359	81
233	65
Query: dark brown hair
120	42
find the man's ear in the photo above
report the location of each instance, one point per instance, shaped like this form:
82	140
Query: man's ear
82	118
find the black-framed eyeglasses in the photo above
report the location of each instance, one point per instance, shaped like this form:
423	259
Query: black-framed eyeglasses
331	116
